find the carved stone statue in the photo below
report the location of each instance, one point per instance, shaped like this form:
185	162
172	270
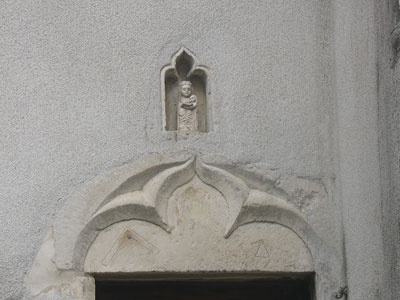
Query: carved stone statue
183	111
187	108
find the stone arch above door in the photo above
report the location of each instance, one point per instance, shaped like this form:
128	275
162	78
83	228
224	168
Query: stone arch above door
180	213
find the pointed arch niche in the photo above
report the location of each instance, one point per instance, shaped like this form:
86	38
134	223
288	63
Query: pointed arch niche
179	213
184	67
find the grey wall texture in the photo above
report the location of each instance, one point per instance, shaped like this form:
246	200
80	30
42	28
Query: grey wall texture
304	87
389	118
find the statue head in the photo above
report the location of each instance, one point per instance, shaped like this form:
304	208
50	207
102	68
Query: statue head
186	88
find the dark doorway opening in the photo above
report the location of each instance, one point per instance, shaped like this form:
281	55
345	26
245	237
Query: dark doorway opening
293	288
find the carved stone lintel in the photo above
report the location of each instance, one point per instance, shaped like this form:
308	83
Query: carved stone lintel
140	216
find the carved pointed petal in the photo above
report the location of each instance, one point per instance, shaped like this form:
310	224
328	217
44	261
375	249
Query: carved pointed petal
234	190
159	189
121	201
129	206
142	175
184	62
263	207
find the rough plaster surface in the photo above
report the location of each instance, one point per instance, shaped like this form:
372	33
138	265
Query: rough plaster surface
392	209
79	91
389	134
361	41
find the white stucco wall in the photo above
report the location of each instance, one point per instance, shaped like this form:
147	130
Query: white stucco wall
293	91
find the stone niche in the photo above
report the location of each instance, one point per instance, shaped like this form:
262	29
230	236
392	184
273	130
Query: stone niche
185	112
179	214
